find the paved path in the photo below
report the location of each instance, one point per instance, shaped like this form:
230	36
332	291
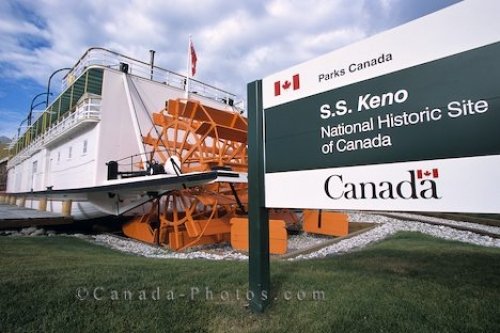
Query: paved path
12	216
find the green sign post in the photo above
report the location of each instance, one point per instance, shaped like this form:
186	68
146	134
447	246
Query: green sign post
259	274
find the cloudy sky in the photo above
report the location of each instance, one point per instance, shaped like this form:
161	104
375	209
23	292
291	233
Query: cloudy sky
236	41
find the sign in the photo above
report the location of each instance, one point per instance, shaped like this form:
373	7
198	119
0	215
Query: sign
406	120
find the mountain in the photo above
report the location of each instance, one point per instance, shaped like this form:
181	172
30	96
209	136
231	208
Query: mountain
5	140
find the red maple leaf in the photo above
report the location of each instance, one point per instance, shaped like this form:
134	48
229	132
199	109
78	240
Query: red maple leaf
286	84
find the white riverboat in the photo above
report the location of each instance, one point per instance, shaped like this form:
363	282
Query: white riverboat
103	114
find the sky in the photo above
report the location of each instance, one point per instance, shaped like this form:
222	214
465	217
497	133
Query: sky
236	41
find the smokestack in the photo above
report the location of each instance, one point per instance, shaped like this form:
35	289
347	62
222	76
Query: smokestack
152	61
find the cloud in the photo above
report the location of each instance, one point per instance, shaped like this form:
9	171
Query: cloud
10	123
236	41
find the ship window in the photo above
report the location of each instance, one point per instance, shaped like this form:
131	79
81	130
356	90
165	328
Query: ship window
70	152
35	166
85	146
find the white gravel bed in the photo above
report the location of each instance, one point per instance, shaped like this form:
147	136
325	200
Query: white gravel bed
150	251
480	227
211	252
304	241
390	226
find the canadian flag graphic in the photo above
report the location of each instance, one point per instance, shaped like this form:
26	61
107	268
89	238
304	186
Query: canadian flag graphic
434	173
287	84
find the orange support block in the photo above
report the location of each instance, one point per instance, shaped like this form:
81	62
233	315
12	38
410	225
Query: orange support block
139	229
325	223
207	227
278	237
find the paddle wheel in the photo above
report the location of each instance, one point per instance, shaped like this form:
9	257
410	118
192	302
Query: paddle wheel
199	137
190	137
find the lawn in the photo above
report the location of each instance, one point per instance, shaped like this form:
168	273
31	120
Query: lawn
408	283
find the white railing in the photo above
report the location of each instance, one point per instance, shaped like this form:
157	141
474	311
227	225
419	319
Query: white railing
88	110
103	57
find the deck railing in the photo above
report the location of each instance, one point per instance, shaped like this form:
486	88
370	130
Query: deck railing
107	58
88	110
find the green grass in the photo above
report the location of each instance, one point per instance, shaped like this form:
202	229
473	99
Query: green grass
409	283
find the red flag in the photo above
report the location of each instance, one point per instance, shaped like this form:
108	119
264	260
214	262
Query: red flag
194	59
427	173
295	84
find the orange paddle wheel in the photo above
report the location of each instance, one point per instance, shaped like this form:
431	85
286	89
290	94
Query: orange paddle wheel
190	137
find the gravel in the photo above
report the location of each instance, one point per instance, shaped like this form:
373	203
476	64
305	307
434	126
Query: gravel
221	252
465	224
304	241
389	226
386	226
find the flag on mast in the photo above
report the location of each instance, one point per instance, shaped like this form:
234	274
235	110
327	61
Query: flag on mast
191	65
193	57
